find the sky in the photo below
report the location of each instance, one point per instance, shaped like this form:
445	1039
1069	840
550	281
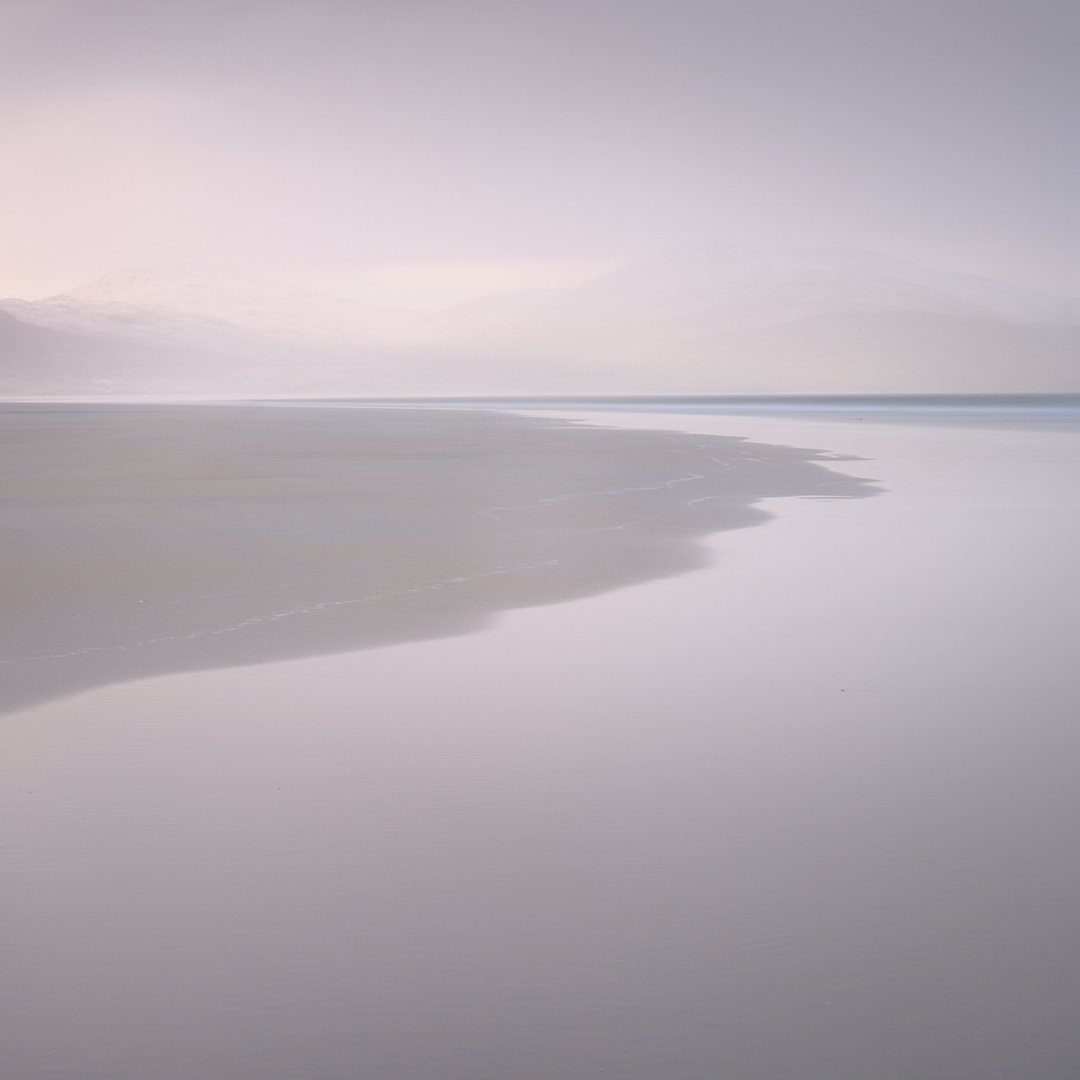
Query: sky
417	152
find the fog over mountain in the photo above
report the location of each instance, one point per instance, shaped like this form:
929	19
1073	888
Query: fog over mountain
711	319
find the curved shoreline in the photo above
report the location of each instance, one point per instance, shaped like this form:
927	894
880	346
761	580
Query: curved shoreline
149	539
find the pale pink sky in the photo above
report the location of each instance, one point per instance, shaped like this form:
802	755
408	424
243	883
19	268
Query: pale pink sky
424	150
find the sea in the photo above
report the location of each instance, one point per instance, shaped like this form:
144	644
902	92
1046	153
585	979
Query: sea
805	810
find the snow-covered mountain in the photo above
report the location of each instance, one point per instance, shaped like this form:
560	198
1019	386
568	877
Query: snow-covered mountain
720	289
726	319
217	309
711	319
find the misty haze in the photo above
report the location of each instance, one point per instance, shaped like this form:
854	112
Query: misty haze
704	320
539	540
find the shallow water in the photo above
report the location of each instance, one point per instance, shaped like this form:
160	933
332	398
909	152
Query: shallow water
144	539
806	814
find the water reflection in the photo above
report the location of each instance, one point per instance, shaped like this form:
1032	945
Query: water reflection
806	815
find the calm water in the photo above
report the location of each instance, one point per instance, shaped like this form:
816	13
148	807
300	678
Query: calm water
806	815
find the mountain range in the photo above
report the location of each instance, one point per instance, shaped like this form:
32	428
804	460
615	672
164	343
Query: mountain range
714	319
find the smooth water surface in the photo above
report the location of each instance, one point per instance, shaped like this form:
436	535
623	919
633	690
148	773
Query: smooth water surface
806	815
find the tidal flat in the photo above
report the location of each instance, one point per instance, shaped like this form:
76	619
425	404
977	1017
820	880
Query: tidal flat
795	802
145	539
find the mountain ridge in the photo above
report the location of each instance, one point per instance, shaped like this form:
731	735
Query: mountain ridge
703	320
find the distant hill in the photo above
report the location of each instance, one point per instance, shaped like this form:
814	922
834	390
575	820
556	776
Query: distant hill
215	309
714	319
36	360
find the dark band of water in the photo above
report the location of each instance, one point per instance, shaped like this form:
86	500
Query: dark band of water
1015	411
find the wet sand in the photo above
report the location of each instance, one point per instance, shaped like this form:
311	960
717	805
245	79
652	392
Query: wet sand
145	539
805	814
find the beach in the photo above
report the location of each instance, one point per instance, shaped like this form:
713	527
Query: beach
792	801
153	538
